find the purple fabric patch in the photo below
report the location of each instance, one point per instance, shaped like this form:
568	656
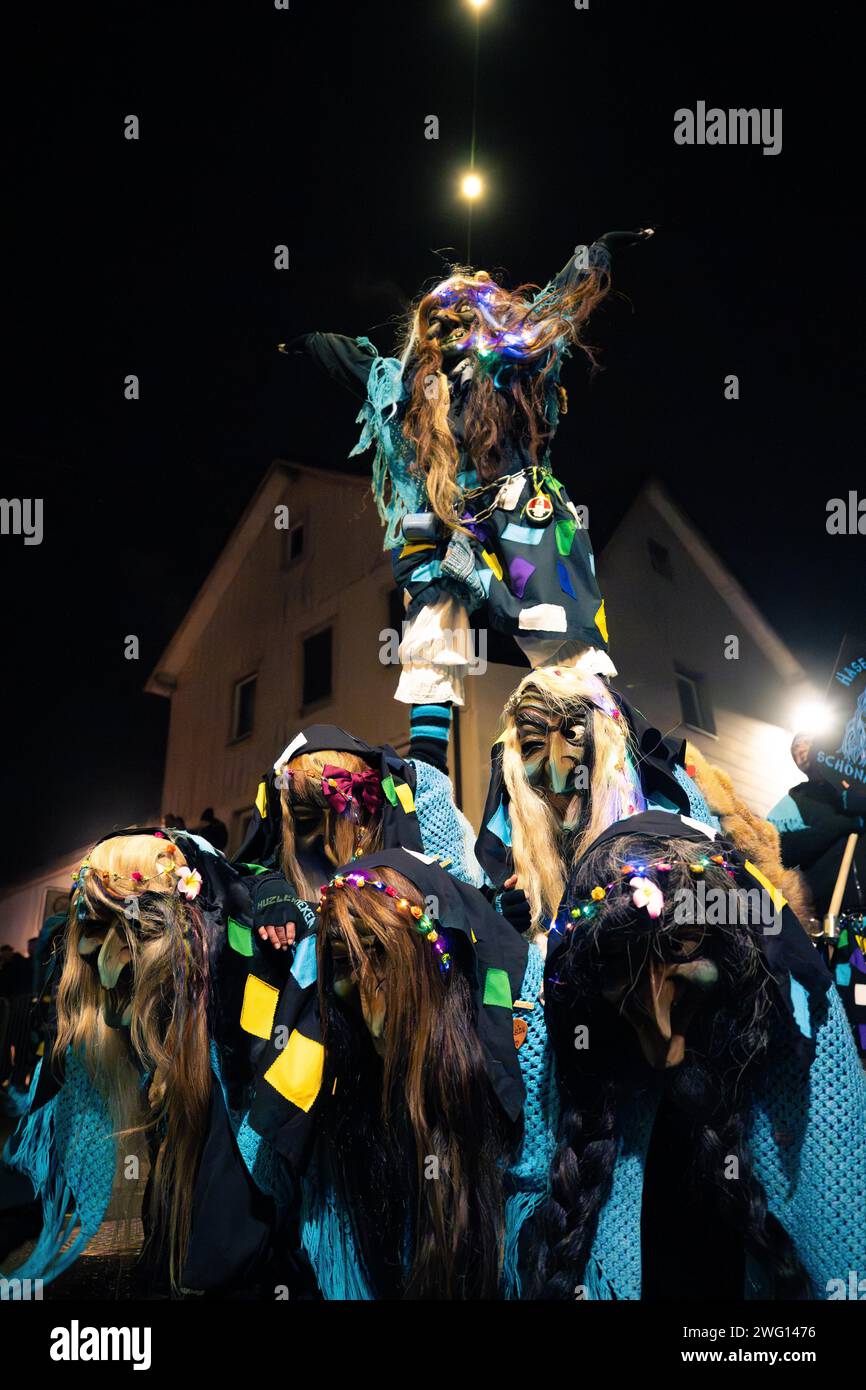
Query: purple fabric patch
857	960
519	572
565	583
861	1028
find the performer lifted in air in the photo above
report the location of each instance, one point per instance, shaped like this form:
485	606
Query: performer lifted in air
462	421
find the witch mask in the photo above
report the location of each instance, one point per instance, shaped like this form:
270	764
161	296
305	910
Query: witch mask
554	747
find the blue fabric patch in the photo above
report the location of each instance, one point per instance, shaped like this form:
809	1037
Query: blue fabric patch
485	574
565	583
500	825
591	559
524	535
800	1001
304	966
424	573
843	975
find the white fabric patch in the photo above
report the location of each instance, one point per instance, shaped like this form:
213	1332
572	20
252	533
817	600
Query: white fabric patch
860	994
510	494
425	858
549	617
297	742
707	830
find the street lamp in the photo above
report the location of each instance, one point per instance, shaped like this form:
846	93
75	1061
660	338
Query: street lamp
471	187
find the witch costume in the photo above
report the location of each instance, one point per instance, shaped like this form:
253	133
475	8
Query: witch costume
66	1144
505	975
805	1125
524	552
660	768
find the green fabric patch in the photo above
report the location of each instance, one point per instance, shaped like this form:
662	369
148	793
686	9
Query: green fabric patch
389	790
565	535
256	868
497	988
843	938
240	938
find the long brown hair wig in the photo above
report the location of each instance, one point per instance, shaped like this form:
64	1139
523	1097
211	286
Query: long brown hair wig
517	332
306	807
413	1134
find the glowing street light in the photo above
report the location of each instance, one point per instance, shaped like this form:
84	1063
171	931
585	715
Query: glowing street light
478	4
813	717
471	187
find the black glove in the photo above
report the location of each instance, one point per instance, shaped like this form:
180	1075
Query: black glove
513	905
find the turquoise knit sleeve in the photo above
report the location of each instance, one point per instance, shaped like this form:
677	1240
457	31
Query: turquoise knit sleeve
808	1142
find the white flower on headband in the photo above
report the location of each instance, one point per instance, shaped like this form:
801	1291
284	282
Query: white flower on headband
647	894
189	883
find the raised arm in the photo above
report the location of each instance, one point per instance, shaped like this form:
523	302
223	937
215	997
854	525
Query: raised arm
347	360
598	256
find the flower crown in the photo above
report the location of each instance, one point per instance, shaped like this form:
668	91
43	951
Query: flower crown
421	922
646	893
182	879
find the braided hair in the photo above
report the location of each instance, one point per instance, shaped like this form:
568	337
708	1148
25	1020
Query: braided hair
594	981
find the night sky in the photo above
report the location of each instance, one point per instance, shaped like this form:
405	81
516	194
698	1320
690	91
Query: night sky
261	127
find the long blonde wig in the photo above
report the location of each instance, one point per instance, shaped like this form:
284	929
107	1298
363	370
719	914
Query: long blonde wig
163	936
543	849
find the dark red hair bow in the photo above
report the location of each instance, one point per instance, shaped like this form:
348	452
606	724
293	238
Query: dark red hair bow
343	789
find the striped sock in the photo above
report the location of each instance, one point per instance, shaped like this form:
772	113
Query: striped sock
430	730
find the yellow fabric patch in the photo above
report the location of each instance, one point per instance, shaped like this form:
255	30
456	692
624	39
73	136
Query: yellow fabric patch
415	547
297	1072
776	896
259	1007
405	797
493	563
262	801
601	621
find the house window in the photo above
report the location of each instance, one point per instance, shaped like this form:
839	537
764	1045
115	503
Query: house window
660	559
293	545
695	702
317	667
244	707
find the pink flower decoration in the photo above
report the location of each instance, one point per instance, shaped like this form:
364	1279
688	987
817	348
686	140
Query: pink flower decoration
137	877
647	894
189	883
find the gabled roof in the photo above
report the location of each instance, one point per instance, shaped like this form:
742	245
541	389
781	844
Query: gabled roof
163	678
726	586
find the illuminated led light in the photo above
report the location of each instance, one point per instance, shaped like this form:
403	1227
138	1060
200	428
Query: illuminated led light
471	186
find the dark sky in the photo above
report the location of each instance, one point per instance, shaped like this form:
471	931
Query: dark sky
261	127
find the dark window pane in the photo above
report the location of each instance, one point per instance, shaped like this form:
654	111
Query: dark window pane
695	703
689	701
245	707
317	667
660	559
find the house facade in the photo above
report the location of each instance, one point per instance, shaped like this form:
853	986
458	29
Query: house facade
291	628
